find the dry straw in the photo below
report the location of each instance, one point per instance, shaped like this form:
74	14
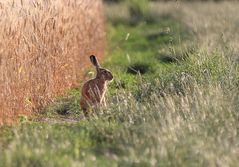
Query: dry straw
44	48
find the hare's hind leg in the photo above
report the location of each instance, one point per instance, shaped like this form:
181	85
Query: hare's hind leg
86	112
84	107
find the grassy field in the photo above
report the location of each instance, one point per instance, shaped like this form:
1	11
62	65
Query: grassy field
174	100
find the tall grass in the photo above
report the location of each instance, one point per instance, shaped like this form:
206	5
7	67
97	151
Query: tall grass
44	48
199	128
179	113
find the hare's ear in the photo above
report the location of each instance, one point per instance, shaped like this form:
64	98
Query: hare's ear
94	61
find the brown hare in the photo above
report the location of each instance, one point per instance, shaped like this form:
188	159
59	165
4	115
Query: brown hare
93	91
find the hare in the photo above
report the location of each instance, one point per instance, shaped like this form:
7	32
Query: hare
93	91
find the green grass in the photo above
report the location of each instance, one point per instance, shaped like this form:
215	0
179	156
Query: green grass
182	110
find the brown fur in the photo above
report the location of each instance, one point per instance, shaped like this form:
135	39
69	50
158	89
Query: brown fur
93	91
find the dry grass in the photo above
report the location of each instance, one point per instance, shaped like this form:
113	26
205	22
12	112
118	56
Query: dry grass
214	24
44	48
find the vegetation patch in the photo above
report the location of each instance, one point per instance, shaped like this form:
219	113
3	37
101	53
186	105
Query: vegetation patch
168	58
138	68
181	112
